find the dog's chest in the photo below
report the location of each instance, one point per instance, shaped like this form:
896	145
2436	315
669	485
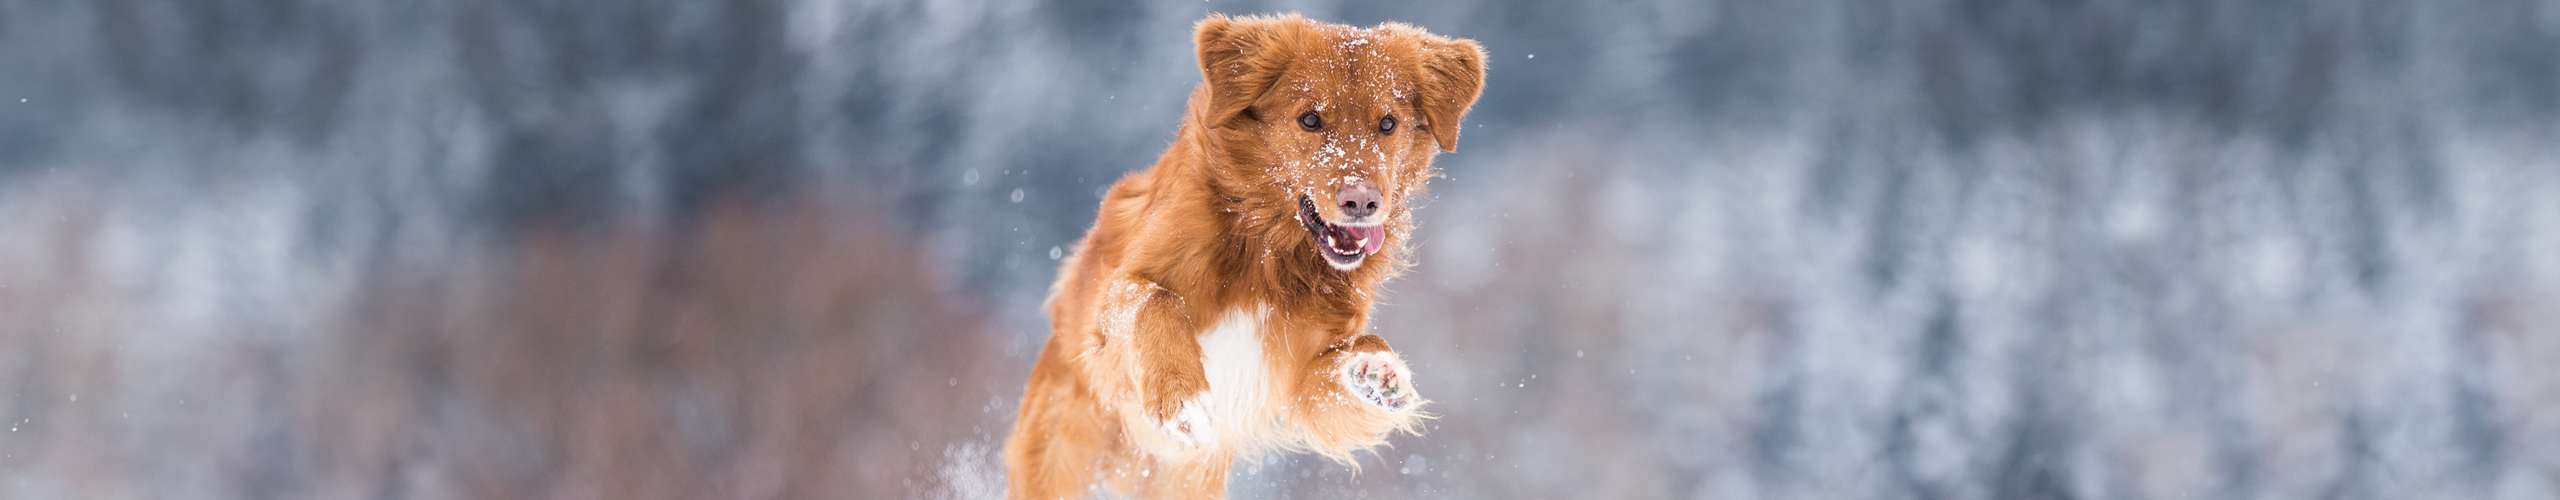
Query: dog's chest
1239	371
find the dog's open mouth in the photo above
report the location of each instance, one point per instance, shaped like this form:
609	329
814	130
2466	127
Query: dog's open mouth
1343	246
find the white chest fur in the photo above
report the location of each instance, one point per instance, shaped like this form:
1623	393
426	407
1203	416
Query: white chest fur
1240	386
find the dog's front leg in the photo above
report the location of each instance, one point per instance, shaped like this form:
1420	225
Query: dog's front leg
1161	330
1354	394
1374	374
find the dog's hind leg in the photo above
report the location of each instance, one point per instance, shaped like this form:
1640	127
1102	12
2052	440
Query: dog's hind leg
1063	438
1184	479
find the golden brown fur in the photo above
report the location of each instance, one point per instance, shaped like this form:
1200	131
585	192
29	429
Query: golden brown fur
1210	238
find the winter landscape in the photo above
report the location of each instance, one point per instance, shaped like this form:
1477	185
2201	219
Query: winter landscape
1779	249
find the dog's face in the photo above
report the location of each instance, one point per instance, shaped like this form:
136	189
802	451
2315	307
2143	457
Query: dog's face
1331	128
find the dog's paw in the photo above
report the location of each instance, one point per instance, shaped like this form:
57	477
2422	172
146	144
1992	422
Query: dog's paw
1380	379
1189	425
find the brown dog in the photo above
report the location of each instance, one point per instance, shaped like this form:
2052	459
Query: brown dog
1218	307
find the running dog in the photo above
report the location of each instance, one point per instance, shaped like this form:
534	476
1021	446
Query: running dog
1219	306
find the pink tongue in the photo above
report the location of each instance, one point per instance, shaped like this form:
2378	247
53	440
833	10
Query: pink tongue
1372	238
1342	240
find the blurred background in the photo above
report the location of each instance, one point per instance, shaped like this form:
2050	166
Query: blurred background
1817	249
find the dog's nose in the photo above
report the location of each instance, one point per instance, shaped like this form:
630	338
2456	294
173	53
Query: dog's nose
1358	198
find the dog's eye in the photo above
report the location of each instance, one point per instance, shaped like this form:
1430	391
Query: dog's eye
1310	121
1387	125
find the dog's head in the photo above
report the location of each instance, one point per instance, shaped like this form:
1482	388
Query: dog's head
1329	130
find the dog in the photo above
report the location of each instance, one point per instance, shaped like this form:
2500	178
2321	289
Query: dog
1219	306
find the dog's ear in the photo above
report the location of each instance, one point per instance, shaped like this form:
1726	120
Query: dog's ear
1240	58
1452	77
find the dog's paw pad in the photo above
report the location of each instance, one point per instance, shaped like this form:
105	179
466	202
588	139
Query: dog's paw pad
1380	379
1189	426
